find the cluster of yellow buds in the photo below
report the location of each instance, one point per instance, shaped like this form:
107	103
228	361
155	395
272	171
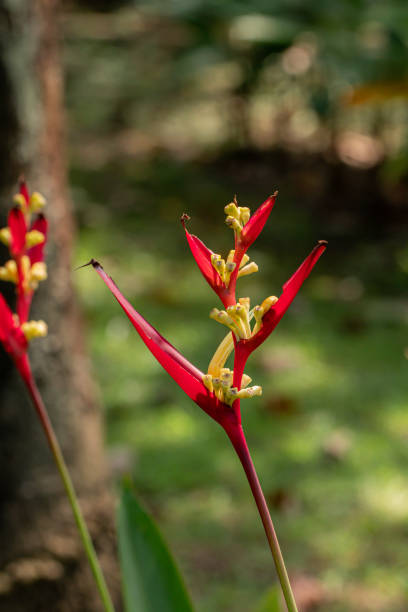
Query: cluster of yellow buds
36	202
238	316
226	268
34	329
222	386
25	238
237	216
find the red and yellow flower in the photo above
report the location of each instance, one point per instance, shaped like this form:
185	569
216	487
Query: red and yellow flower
25	236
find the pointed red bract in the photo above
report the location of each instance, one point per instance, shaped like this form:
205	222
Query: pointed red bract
256	223
18	229
11	336
185	374
36	253
271	319
202	255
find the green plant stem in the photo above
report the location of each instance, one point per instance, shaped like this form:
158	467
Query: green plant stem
69	488
237	437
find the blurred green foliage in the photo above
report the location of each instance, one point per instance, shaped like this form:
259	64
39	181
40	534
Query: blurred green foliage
175	107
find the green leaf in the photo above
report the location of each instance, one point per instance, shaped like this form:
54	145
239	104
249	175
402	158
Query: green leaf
151	581
270	602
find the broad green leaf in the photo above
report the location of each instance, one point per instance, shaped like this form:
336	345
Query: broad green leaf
151	581
270	602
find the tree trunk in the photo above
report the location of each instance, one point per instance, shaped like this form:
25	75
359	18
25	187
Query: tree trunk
42	566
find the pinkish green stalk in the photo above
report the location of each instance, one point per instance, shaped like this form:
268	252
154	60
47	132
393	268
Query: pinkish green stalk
237	437
69	488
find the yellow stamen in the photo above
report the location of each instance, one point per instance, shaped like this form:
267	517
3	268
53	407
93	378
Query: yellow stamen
8	272
37	201
236	312
245	302
250	392
231	255
34	329
222	317
245	381
38	273
20	200
221	355
233	223
229	268
244	214
220	267
244	260
260	311
33	238
249	269
268	302
25	272
232	210
5	236
207	382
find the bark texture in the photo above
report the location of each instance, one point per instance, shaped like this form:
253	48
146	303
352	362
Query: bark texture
41	562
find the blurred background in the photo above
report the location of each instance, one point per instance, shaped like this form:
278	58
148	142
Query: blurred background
175	107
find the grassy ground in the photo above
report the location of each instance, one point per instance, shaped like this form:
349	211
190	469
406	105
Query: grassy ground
329	435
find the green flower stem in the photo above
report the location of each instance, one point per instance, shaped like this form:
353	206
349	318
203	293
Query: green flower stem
69	488
237	437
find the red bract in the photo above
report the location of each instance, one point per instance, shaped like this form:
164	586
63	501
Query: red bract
12	338
36	253
244	348
185	374
219	391
256	223
25	269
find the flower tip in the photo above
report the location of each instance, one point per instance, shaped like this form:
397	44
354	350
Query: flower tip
322	242
184	217
91	262
275	194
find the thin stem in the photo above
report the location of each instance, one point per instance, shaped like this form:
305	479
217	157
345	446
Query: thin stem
69	488
237	437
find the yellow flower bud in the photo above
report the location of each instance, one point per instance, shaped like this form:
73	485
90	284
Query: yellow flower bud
249	269
8	272
5	236
244	214
245	380
233	223
232	210
250	392
34	329
33	238
268	302
20	200
244	260
207	382
37	201
38	271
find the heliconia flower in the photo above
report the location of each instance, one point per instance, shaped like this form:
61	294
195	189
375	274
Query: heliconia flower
219	391
222	275
26	268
